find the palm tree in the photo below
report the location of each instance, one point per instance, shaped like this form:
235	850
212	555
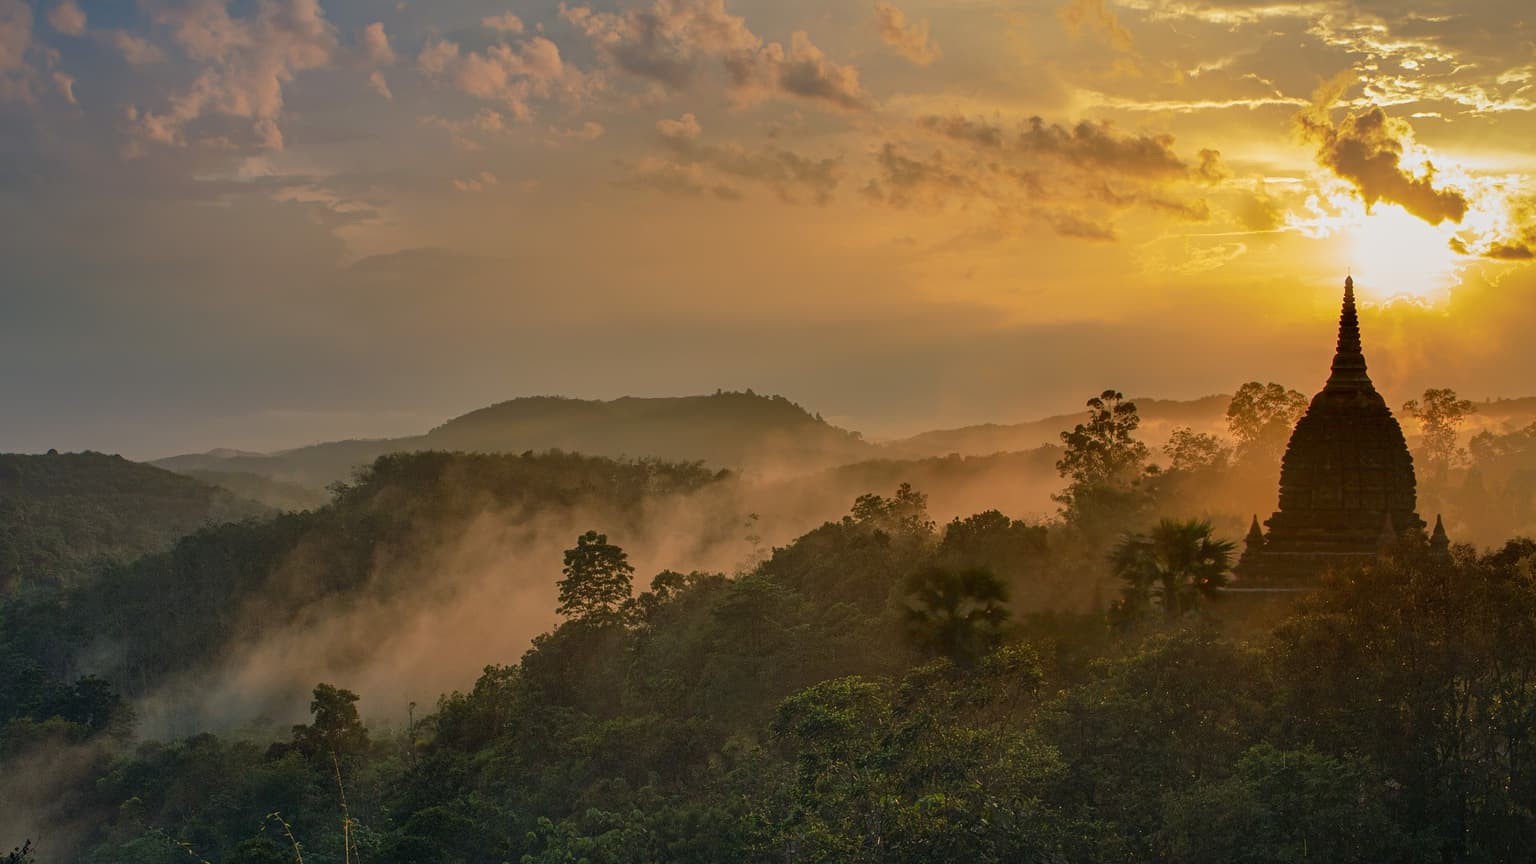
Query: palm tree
1176	565
959	615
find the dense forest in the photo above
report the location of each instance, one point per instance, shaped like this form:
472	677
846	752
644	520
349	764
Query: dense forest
881	688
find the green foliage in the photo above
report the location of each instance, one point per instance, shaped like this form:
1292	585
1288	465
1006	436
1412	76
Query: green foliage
63	514
862	695
955	614
1282	806
337	731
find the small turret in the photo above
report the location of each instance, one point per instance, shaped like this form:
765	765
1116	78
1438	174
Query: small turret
1439	542
1254	542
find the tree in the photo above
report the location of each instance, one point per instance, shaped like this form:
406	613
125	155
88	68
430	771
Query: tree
1188	450
1440	416
1104	450
598	576
1175	565
1260	418
336	729
1285	806
905	514
956	614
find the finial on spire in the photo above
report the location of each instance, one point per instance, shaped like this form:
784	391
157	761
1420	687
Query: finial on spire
1349	360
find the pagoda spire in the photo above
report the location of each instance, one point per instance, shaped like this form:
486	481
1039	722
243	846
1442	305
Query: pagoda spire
1349	358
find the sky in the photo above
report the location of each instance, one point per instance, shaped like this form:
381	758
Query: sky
264	223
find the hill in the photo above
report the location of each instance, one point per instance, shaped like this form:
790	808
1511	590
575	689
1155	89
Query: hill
63	512
724	430
1158	419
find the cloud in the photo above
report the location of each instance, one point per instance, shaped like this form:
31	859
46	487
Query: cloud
695	168
1073	180
513	76
380	84
685	127
911	40
672	42
65	84
906	181
248	62
1093	16
1096	146
1366	148
16	75
376	46
136	51
68	18
478	183
467	134
505	23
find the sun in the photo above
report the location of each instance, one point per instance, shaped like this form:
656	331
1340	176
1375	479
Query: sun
1398	254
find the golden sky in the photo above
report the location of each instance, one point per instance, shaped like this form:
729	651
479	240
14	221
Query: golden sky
260	223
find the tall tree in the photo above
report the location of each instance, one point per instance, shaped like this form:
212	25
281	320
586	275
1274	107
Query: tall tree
1176	565
1104	450
1102	464
337	730
1440	415
1260	419
598	576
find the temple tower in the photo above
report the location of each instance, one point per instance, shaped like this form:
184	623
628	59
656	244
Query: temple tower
1346	475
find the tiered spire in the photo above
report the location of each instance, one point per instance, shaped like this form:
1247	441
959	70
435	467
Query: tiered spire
1349	359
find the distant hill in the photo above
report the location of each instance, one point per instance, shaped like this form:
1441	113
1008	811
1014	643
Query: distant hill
62	512
731	430
1158	418
758	434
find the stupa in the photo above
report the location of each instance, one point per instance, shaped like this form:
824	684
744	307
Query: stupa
1347	487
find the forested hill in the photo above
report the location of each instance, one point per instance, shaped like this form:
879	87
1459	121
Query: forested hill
63	512
724	430
439	537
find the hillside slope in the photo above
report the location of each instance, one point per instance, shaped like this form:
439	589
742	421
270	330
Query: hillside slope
61	512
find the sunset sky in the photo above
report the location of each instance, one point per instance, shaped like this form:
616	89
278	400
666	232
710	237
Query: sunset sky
262	223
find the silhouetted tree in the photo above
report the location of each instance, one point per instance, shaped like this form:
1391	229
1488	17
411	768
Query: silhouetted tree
1104	450
1260	419
904	514
1176	565
597	583
1188	450
1440	416
336	728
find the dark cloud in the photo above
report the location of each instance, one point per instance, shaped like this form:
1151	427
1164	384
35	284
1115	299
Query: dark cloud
1366	148
1097	145
1085	145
